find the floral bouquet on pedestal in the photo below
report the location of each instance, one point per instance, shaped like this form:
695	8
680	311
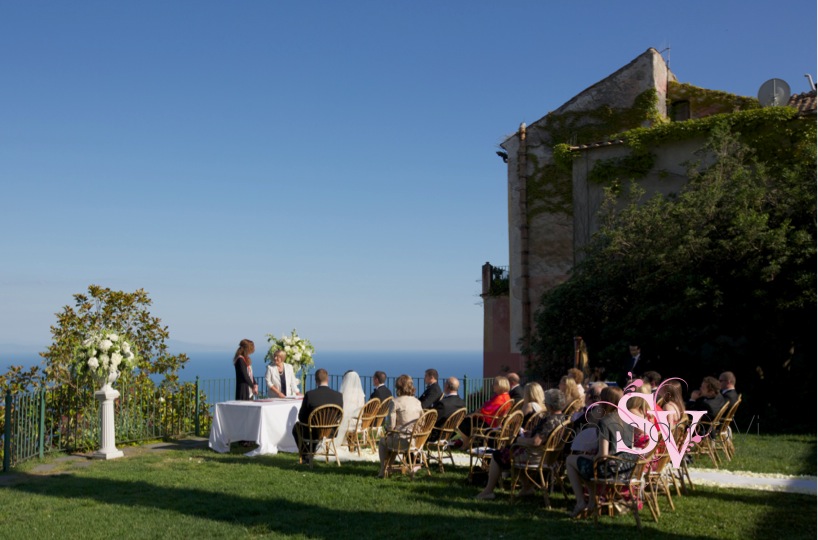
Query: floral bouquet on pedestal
299	352
103	355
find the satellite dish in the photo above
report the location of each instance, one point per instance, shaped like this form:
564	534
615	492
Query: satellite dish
775	92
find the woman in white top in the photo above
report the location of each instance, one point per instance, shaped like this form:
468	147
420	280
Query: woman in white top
281	381
354	399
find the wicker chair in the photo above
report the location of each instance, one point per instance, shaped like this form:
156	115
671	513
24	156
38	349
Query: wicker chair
359	427
706	446
573	407
406	449
660	475
486	441
723	437
439	449
542	464
377	428
320	431
532	421
624	488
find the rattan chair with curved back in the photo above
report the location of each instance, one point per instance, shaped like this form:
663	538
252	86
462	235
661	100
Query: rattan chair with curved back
572	407
708	429
406	449
359	427
660	474
541	465
379	426
320	431
533	420
723	437
623	487
440	448
482	445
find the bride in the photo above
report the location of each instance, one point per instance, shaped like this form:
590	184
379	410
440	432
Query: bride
354	400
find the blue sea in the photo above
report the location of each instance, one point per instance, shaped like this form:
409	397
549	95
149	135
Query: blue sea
219	365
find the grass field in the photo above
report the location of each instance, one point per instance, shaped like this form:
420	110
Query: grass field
196	493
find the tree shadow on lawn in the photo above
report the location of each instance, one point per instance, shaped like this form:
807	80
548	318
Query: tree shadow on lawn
273	515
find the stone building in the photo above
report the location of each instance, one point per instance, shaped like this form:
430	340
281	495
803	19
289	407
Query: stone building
553	198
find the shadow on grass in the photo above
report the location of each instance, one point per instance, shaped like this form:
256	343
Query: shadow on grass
270	514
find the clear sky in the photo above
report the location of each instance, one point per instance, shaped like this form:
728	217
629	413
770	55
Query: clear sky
329	166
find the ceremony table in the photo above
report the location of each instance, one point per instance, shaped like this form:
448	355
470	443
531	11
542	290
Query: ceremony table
267	422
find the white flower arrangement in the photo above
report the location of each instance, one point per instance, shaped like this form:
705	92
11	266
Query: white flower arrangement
299	351
104	354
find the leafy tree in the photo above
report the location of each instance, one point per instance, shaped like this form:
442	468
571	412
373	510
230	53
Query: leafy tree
116	310
719	277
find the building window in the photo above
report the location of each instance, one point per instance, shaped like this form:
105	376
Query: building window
680	111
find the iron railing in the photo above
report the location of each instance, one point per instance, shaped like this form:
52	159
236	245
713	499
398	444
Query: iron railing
64	419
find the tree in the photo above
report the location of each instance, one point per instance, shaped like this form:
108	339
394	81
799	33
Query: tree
720	276
103	308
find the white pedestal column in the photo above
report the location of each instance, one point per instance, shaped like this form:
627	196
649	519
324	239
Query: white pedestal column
107	432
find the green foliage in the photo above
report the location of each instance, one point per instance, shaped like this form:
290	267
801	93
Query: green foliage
705	102
103	308
499	281
549	189
721	276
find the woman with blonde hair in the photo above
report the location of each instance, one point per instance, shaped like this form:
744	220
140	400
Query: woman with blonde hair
246	387
404	411
533	400
568	386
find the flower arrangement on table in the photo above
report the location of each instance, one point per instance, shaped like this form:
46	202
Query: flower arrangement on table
298	352
104	354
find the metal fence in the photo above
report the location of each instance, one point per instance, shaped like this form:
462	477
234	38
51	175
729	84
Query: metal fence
64	419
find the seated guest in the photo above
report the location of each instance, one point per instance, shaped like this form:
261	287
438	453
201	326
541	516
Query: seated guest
485	416
653	379
447	405
707	398
432	392
638	417
568	386
533	400
404	411
670	396
610	427
379	382
727	381
501	459
281	381
578	377
322	394
514	390
354	400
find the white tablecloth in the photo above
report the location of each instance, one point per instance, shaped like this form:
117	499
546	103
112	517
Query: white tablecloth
268	423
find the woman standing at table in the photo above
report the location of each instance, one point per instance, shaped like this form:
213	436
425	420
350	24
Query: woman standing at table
246	388
281	381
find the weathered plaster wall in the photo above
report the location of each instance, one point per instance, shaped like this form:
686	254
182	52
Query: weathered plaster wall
668	175
550	248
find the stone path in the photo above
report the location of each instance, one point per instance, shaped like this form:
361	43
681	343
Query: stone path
710	477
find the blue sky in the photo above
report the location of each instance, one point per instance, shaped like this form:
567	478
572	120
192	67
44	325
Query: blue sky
259	166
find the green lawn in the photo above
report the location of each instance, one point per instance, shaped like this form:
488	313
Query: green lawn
200	494
781	454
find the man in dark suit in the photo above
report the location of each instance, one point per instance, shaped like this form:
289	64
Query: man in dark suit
707	398
728	387
432	392
322	394
447	405
516	391
381	391
633	364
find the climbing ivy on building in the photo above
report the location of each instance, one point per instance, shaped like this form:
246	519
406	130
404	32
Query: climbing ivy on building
549	188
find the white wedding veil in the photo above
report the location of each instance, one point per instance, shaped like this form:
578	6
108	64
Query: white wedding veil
354	400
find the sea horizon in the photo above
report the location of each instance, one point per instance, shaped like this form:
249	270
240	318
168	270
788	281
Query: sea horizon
217	364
